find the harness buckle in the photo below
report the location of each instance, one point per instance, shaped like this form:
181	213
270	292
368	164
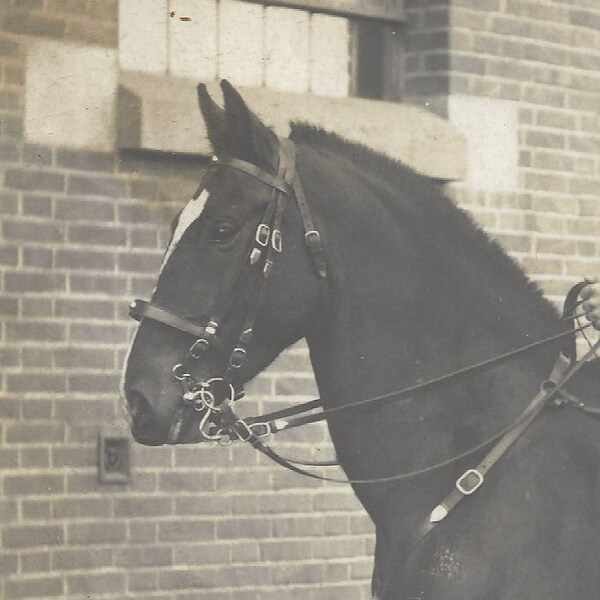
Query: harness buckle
263	233
198	348
237	358
245	433
313	240
276	240
464	483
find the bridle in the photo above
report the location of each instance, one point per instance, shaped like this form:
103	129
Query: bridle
214	397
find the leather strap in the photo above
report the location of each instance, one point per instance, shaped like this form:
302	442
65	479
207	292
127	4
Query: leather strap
140	309
250	169
472	479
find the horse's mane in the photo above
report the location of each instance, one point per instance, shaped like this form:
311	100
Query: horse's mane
435	209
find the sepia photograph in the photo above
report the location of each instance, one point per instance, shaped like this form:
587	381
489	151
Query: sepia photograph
300	299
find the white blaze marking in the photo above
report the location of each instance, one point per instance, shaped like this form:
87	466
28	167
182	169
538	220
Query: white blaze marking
188	215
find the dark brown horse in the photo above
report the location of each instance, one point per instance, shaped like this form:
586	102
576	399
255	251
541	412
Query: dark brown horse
413	290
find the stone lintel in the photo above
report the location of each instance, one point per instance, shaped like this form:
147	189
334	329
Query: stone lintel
162	114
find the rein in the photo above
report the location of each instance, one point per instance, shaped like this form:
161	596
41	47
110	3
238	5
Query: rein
214	398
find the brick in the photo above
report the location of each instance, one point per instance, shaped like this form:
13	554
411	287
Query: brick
81	160
35	562
35	331
541	139
81	558
143	507
148	556
37	206
100	333
84	309
142	532
295	386
9	153
144	238
91	583
188	579
202	505
98	284
94	235
34	282
84	259
94	383
9	357
9	204
98	532
186	482
142	581
8	564
30	24
28	536
9	256
74	457
36	357
36	383
38	458
11	125
296	573
9	409
40	587
31	231
9	459
134	213
35	408
185	530
555	246
88	358
32	179
285	550
84	210
139	262
37	155
243	528
81	508
40	258
25	433
201	554
96	186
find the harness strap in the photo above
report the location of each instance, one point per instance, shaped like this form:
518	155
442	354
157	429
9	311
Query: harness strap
140	309
250	169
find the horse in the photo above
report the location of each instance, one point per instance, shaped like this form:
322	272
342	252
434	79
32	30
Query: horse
393	286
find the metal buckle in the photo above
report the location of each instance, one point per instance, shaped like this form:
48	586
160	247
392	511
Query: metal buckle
179	372
263	233
246	430
208	398
237	358
276	240
198	348
313	238
462	479
266	431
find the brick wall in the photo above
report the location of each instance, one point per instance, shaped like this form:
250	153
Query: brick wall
82	233
543	58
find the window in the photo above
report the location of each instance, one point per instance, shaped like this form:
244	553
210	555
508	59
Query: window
325	47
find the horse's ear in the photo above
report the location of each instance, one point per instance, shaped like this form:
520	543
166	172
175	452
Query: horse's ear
255	142
217	125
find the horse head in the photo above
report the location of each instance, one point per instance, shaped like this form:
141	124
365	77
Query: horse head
236	287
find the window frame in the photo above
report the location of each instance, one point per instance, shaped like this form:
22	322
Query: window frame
383	10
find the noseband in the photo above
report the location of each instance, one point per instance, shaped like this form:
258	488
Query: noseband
214	397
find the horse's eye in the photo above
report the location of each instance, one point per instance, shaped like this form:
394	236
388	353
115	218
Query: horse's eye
222	232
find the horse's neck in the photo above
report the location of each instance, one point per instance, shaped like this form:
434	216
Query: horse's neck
398	320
